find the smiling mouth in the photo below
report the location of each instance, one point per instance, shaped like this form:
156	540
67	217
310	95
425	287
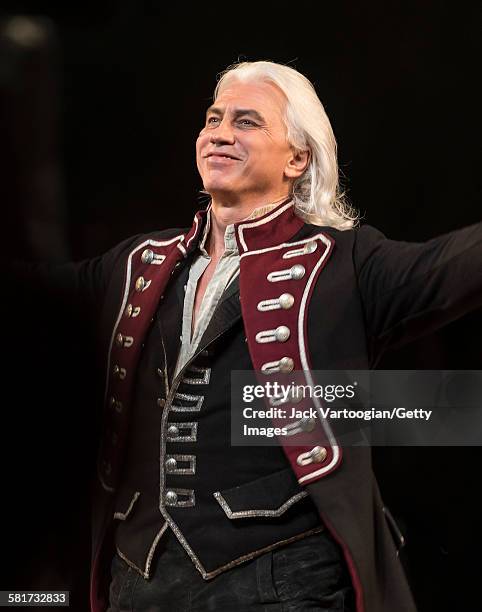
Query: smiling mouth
220	156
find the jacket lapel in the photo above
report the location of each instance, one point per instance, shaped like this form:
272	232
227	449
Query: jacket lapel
170	314
226	314
228	311
169	319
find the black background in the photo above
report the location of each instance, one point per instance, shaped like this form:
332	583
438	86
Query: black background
115	105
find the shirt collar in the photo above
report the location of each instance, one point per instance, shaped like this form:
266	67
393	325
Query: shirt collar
230	243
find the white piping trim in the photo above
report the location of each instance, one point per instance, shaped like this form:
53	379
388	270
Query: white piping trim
153	548
145	573
235	275
122	308
130	563
306	370
123	515
261	222
196	221
234	514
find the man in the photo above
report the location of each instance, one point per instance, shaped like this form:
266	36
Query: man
274	277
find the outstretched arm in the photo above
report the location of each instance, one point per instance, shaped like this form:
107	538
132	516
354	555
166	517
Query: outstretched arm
410	289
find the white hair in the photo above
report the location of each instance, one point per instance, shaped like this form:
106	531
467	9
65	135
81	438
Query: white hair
317	195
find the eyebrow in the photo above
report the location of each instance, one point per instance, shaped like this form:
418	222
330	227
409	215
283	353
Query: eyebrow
215	110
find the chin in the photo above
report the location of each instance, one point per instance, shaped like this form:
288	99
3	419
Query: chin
219	188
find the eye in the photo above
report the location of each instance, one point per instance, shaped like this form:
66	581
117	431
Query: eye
247	122
211	120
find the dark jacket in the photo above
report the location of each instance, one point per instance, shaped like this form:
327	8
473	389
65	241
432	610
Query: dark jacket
358	295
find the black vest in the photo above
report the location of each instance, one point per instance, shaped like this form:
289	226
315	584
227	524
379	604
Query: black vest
224	503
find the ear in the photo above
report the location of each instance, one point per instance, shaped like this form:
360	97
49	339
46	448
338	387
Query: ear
297	163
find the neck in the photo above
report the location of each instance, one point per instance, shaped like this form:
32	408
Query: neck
224	214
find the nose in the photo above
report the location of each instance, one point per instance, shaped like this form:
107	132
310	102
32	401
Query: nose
223	134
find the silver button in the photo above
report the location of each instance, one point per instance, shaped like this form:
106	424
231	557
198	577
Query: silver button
297	427
171	463
116	404
318	454
295	396
286	300
286	364
171	497
283	365
172	430
147	256
140	284
119	372
297	271
307	424
124	341
310	247
315	455
161	402
282	333
130	311
160	373
175	267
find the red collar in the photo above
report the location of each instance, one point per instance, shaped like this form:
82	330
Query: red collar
275	227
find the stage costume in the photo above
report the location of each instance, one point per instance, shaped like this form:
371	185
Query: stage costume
306	298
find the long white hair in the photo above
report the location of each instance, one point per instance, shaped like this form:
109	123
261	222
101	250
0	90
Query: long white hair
317	195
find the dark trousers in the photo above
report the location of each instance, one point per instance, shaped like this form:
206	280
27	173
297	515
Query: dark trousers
309	574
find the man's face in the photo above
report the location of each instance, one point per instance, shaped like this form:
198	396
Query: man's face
242	151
